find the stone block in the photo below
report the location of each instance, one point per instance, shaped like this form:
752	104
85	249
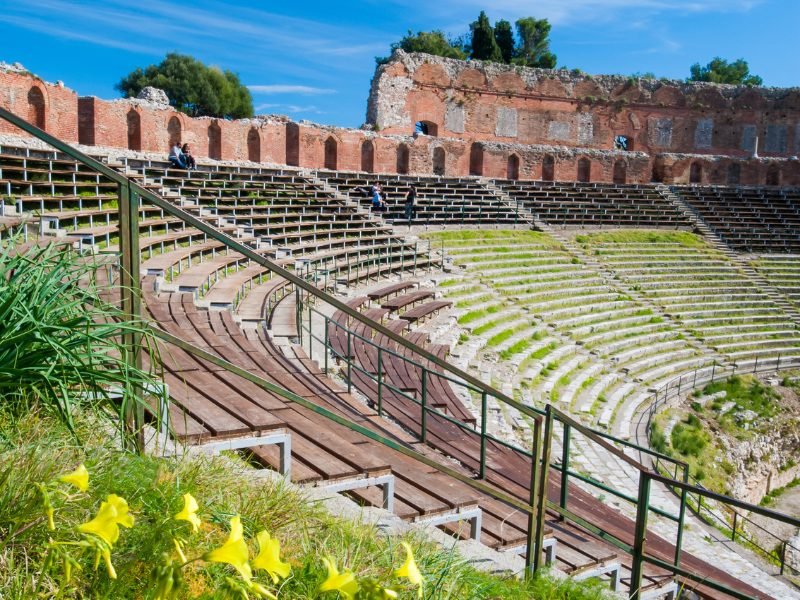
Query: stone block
661	132
506	122
749	135
454	116
703	134
558	131
777	136
585	128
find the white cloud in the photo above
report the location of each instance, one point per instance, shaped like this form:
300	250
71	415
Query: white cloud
278	88
290	109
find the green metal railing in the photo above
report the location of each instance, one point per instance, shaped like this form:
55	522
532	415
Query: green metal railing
543	422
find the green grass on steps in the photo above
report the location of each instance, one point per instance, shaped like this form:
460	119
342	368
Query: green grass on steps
642	236
36	448
468	235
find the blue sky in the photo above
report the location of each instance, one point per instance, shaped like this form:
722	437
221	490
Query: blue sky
314	60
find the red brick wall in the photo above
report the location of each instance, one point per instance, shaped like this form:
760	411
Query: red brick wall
32	99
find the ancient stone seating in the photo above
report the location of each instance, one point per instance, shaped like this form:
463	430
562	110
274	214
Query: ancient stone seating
749	219
440	200
596	204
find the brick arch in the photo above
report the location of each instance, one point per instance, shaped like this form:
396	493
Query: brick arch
548	167
368	156
734	173
476	159
669	95
439	161
403	156
773	175
134	125
696	172
620	174
215	141
433	74
293	144
253	145
37	107
331	159
508	82
174	130
471	78
512	167
584	174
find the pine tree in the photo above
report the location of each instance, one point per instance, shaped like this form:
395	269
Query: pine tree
534	48
504	36
484	46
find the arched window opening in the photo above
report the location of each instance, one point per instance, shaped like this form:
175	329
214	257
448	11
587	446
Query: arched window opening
214	141
696	173
476	159
548	168
174	130
620	172
512	167
734	173
134	130
331	154
584	170
368	157
402	159
426	128
253	145
773	175
36	114
439	161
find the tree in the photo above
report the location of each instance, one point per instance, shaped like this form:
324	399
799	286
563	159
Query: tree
721	71
429	42
534	43
484	46
504	36
192	87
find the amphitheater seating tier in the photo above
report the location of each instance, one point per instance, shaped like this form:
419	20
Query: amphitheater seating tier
760	220
582	205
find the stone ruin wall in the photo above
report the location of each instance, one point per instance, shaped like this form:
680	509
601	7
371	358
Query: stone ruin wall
488	118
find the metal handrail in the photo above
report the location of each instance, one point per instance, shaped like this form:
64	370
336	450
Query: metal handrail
130	195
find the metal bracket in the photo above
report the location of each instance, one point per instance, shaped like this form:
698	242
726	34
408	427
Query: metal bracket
278	437
386	482
474	515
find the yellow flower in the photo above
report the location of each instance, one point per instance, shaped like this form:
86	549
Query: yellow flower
79	478
233	552
113	512
409	570
189	511
51	524
268	558
344	583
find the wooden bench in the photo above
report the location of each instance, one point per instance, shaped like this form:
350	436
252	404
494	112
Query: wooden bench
422	311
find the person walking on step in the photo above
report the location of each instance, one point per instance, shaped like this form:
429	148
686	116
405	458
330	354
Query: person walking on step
411	200
176	156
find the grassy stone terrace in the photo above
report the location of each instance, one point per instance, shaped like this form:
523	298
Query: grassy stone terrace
543	324
782	272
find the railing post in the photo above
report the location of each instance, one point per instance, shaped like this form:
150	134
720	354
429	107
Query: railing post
380	381
416	249
640	536
483	436
565	465
681	518
310	335
424	416
327	341
733	529
349	361
783	556
713	369
531	552
131	292
544	481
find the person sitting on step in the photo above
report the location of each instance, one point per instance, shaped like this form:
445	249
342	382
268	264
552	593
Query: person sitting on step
187	155
176	156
